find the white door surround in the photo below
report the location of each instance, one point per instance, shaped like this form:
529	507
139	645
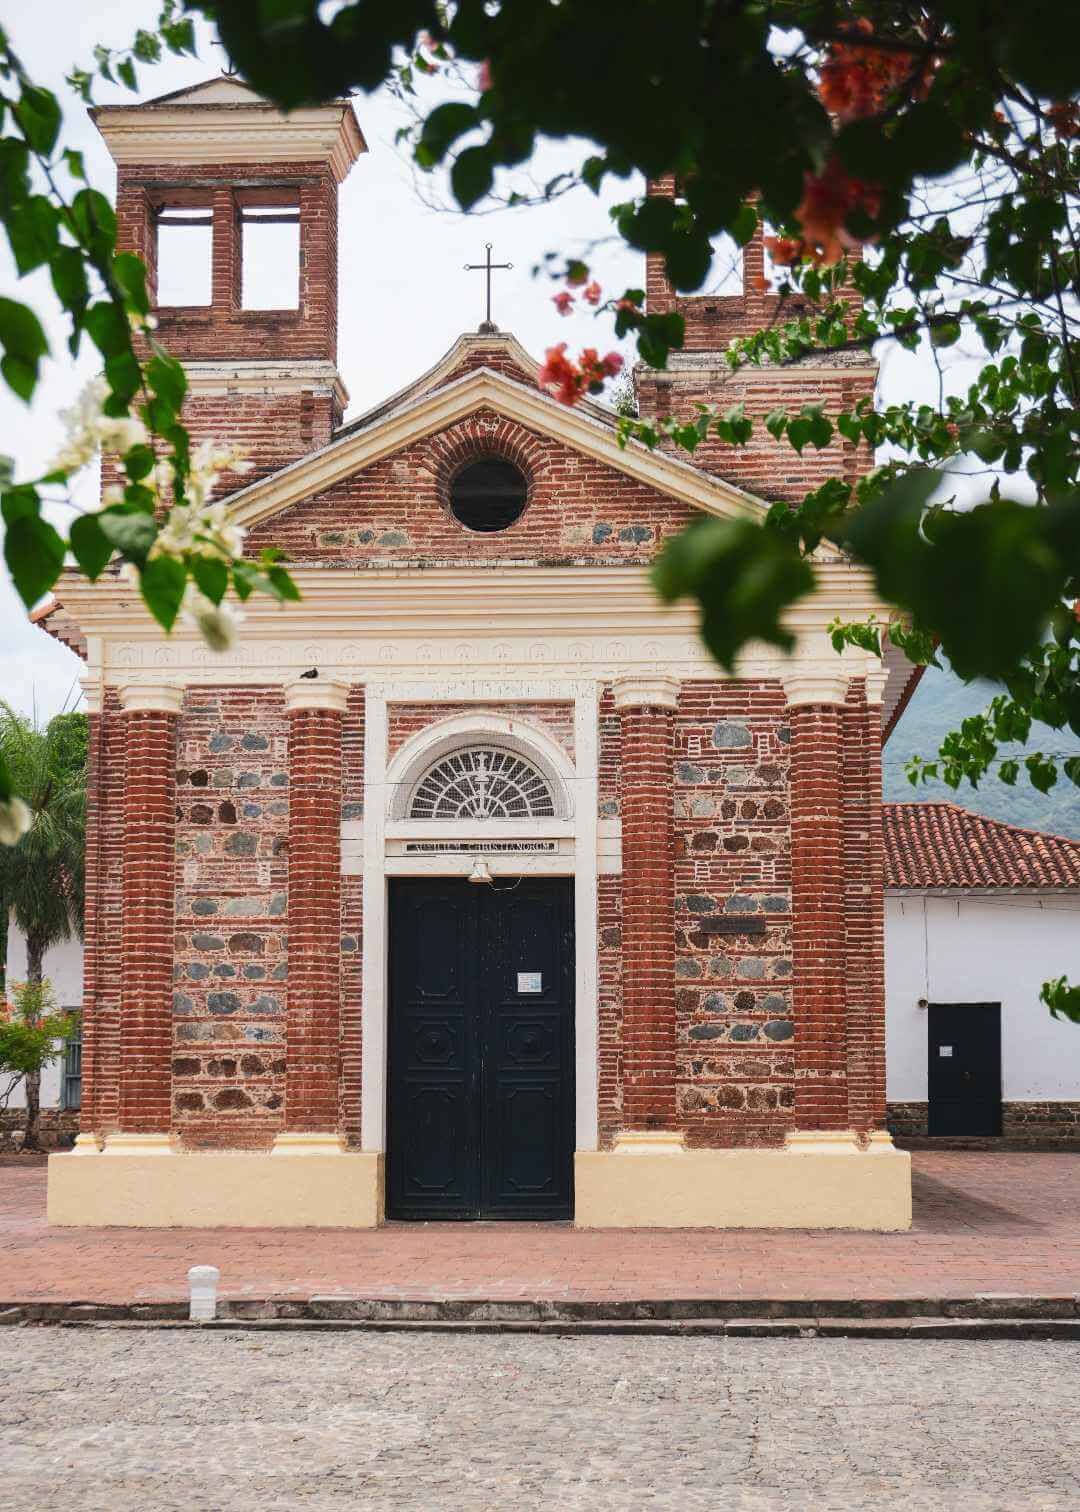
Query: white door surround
570	849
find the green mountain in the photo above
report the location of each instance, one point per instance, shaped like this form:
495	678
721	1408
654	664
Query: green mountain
940	702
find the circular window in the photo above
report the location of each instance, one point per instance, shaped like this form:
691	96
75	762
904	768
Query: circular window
488	494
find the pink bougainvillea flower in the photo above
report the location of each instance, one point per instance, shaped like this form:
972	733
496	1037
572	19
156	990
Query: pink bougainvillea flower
563	302
592	292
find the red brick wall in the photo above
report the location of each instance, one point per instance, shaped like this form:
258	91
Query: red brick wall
732	835
272	429
231	992
275	428
223	330
406	720
579	509
768	468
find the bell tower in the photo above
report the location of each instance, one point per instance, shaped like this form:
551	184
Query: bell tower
233	207
740	297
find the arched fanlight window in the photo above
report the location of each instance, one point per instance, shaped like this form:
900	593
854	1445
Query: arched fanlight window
482	782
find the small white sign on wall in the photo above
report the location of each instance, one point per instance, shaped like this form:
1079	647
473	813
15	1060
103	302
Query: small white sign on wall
530	981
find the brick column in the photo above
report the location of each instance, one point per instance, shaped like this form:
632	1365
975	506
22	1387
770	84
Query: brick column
647	708
864	878
146	1029
316	712
817	902
226	252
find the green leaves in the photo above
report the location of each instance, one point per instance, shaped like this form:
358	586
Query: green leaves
986	579
471	176
162	582
1062	999
743	576
34	553
24	346
129	529
90	545
38	114
810	427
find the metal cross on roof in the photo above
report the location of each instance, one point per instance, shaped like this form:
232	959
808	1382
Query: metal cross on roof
487	267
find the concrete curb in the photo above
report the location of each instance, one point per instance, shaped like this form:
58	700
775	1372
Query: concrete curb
685	1328
980	1316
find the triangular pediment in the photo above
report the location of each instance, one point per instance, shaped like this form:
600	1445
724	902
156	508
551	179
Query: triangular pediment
385	431
222	89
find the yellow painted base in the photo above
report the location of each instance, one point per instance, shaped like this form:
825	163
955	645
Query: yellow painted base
241	1190
788	1188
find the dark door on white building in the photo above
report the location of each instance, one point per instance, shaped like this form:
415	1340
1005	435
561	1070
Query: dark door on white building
965	1068
481	1095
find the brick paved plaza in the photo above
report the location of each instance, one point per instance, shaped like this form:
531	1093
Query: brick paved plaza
984	1223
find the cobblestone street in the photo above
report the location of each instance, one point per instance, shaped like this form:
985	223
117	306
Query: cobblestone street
119	1420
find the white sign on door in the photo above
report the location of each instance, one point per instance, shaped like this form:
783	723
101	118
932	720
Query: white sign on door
530	981
944	1050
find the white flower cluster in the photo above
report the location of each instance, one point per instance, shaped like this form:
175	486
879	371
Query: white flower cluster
198	527
15	820
88	430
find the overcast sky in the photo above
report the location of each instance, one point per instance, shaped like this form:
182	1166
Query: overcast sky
405	296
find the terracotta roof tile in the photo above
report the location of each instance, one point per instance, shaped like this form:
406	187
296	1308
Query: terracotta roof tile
938	845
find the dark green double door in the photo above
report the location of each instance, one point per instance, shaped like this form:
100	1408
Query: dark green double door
481	1096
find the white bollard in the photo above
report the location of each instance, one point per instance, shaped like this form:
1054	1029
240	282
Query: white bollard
203	1280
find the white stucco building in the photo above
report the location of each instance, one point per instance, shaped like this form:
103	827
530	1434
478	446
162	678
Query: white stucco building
978	915
64	969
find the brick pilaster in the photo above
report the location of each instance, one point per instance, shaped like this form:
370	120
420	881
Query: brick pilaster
89	1120
817	902
226	254
150	716
313	1049
864	880
647	709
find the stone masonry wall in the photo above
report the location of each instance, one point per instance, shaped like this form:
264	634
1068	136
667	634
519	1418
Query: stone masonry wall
231	944
1031	1122
735	1030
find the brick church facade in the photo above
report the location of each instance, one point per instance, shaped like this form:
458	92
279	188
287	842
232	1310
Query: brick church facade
468	886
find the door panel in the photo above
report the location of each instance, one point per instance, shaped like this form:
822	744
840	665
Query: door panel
964	1044
481	1050
432	1090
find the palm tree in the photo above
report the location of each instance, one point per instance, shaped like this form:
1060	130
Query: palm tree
42	875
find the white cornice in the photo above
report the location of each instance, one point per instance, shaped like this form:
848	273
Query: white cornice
486	389
150	698
468	632
206	133
646	692
813	683
236	376
326	694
